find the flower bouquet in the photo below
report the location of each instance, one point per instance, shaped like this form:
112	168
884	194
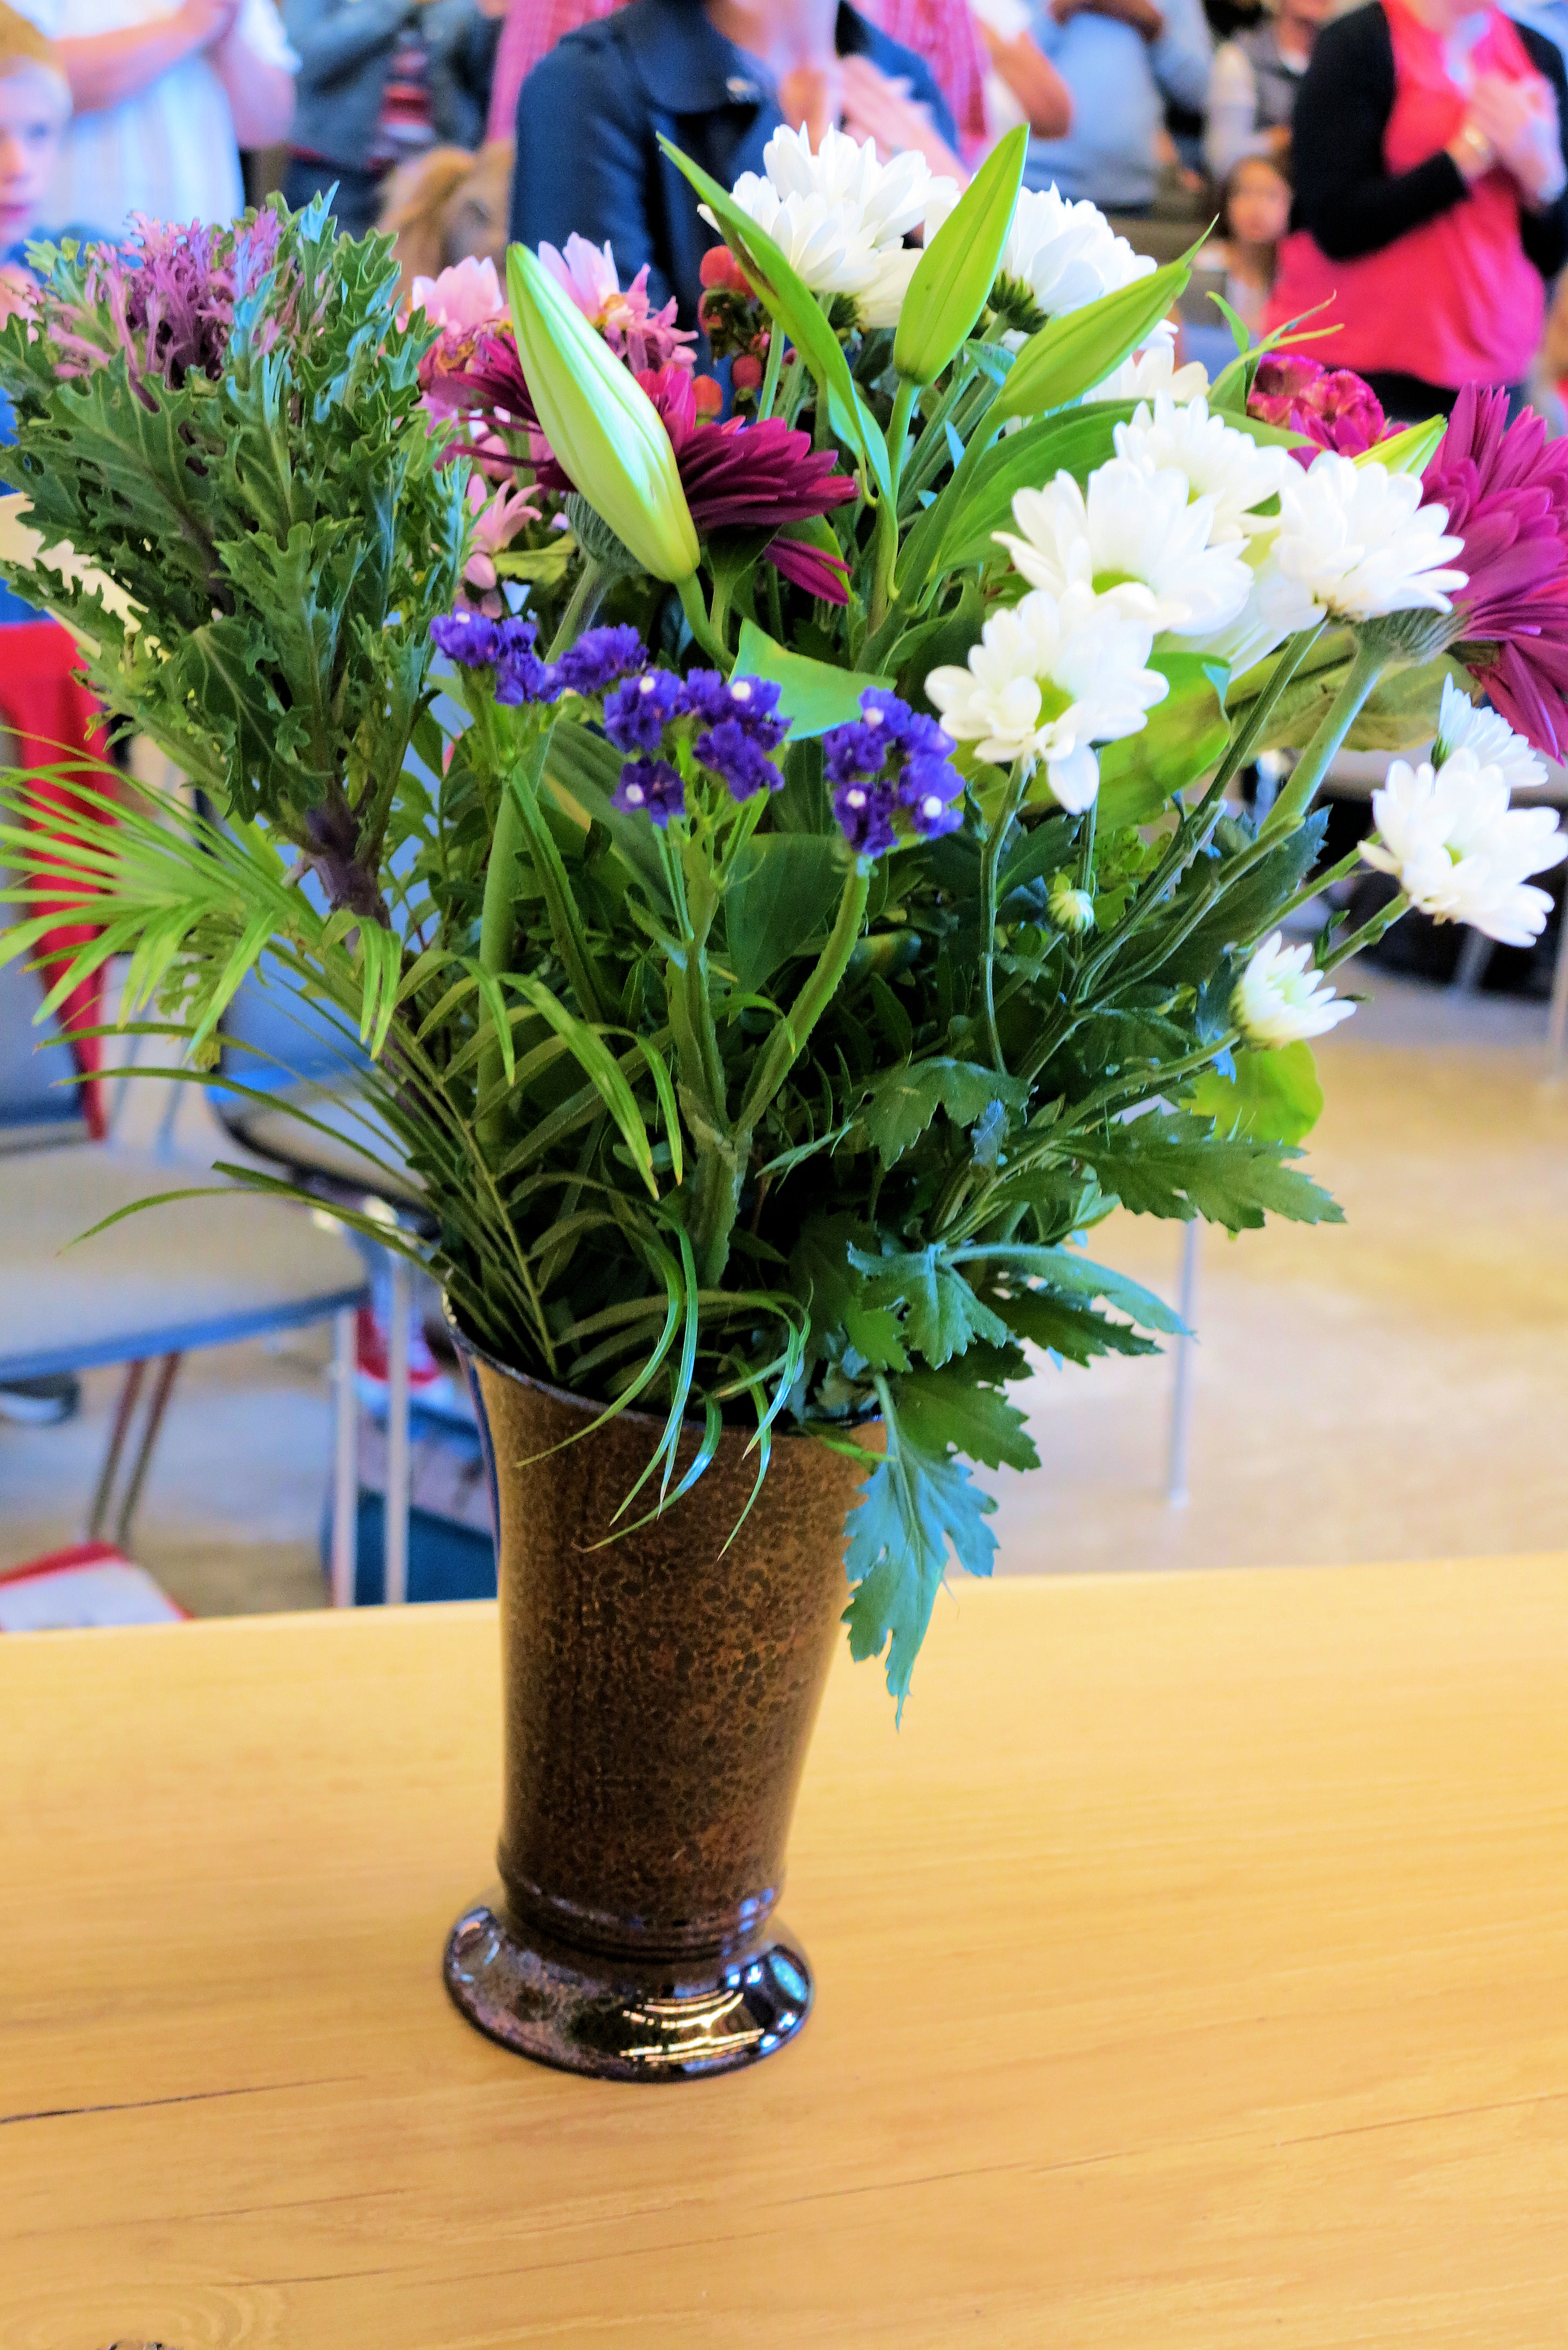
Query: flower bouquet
777	880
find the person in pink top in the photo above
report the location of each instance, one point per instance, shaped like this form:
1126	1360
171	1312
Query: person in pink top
1430	204
942	32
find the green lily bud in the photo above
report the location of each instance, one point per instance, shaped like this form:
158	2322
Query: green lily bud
601	424
1071	909
958	268
1409	451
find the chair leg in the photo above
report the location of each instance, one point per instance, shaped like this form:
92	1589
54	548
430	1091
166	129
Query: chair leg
1177	1459
1475	954
1557	1024
345	1463
123	1409
168	1371
395	1509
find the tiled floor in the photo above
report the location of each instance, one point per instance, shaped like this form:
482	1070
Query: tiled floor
1395	1388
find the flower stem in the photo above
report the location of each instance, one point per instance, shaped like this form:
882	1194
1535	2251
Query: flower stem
496	929
1368	934
990	867
587	597
769	392
697	620
1371	660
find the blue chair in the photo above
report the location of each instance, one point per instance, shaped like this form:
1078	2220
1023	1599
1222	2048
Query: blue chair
153	1287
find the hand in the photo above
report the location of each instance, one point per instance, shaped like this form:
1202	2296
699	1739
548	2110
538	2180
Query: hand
206	23
877	106
813	95
1519	121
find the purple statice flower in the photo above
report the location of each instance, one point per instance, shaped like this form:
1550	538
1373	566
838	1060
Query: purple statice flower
751	699
898	757
467	637
599	657
736	752
650	787
522	676
638	710
865	813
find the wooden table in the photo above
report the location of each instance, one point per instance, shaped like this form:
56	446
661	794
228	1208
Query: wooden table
1193	1974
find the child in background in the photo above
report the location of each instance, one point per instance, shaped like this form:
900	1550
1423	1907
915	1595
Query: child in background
1254	214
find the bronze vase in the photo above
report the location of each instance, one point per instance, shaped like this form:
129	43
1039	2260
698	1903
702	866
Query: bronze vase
659	1691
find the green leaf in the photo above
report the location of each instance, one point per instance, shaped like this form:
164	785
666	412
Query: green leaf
965	1406
1400	714
942	1315
1272	1097
905	1100
912	1508
1072	355
1244	908
830	1286
1066	1326
1174	1164
794	306
581	772
1076	1276
954	275
779	899
813	696
1187	735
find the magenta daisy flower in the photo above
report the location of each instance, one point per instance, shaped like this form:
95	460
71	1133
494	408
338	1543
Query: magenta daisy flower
1506	489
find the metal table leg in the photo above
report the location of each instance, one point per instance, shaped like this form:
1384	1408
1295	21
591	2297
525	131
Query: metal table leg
395	1516
345	1459
1179	1457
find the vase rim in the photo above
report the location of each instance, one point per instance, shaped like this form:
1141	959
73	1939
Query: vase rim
629	1415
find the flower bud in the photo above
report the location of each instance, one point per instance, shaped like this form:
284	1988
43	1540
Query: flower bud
605	431
1071	909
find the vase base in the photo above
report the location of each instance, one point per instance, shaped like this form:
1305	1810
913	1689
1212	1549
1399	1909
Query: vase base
542	2006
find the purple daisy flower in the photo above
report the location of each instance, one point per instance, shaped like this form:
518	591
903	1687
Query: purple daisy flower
467	637
599	657
638	710
735	751
865	813
650	787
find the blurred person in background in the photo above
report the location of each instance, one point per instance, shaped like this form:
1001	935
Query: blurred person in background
941	32
1430	206
46	713
718	78
1124	62
165	100
1257	75
381	82
1022	85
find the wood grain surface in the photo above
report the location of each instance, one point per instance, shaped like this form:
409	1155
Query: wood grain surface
1192	1972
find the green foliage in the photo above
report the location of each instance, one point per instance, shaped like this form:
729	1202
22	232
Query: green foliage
1265	1098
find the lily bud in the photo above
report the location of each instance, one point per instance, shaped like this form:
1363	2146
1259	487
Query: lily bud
1410	451
955	274
1071	909
604	428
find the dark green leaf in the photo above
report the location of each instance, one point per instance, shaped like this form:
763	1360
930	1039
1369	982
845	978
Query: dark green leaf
942	1312
911	1509
1174	1164
905	1100
963	1406
780	901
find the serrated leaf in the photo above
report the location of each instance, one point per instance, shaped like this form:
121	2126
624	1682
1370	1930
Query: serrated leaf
905	1100
912	1509
942	1315
964	1408
1066	1326
1176	1165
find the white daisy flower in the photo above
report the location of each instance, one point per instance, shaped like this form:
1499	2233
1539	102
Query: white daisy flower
1066	254
1136	539
1277	608
1360	540
1219	462
1050	677
1463	725
839	215
1153	368
1279	1001
1460	852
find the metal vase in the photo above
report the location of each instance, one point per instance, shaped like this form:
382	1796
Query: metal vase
661	1689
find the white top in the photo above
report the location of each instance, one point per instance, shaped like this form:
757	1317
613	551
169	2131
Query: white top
170	151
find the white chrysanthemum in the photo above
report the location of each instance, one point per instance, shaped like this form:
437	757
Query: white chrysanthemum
1067	254
1460	852
1136	539
1219	462
1153	368
1358	537
1050	677
1277	1000
1277	608
1463	725
839	215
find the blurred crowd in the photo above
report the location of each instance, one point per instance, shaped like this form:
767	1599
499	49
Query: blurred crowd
1401	161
